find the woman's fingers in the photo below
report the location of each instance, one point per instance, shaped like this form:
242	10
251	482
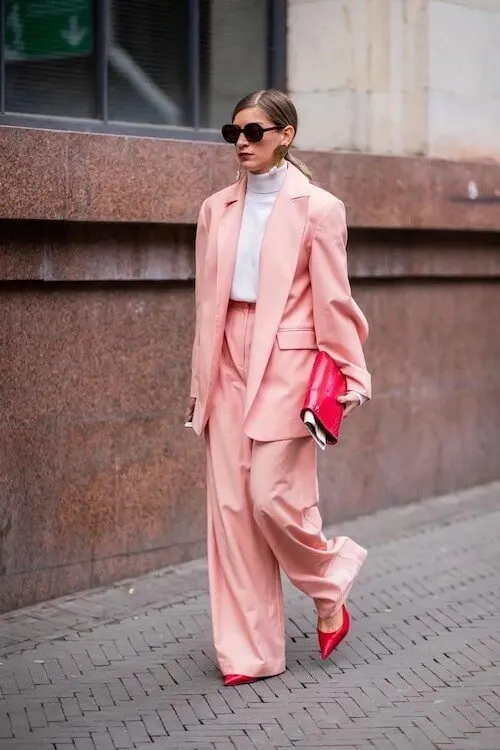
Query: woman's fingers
350	402
190	409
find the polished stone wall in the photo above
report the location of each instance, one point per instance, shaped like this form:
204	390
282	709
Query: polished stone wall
79	177
98	478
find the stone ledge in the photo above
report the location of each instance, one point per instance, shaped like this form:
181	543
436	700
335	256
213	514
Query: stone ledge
103	252
82	177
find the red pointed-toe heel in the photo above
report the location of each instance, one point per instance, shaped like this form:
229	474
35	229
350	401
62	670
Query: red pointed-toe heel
237	679
329	641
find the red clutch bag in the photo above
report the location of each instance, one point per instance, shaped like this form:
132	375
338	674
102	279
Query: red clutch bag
326	383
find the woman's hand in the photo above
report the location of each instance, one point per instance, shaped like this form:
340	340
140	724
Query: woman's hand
188	416
350	401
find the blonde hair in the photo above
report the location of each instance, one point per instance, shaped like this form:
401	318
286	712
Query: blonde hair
281	111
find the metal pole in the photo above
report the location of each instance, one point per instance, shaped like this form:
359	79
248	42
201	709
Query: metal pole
194	61
2	56
276	68
102	38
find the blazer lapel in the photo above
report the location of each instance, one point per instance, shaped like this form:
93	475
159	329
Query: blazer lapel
279	253
226	244
228	231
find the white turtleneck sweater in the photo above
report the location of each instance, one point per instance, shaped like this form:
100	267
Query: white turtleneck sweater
262	190
261	193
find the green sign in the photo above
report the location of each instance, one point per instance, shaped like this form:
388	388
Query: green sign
45	29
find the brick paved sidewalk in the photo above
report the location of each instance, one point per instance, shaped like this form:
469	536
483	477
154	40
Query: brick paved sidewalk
132	666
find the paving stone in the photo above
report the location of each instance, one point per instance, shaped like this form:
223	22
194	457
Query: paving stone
5	727
137	731
154	725
84	743
102	741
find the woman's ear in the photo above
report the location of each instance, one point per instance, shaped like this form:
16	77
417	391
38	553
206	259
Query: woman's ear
289	135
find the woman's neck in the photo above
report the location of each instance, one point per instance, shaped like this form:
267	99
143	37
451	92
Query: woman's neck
268	182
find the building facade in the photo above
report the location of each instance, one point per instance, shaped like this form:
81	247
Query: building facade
398	77
109	113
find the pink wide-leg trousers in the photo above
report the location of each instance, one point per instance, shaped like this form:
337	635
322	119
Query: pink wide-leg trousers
262	516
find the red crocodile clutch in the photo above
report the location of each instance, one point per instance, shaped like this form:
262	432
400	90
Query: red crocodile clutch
326	383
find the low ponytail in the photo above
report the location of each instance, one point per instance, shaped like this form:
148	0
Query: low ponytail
299	165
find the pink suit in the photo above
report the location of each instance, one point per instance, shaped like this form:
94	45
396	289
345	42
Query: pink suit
250	369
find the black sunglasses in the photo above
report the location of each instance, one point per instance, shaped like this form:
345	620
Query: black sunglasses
253	132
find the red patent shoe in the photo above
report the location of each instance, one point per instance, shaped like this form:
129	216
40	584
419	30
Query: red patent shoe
329	641
237	679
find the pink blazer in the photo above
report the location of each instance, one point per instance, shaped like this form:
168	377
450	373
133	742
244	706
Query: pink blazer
304	304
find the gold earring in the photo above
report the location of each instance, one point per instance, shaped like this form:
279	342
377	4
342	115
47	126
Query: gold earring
238	175
280	153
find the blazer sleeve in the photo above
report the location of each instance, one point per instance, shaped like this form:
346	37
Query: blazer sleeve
341	327
200	245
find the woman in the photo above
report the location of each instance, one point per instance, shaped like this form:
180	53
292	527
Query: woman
271	290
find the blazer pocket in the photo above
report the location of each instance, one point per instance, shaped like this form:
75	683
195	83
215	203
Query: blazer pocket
298	338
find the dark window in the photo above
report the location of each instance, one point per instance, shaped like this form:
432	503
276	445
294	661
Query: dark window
48	48
154	66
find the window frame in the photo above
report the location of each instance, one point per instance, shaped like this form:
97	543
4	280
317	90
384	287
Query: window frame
276	78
